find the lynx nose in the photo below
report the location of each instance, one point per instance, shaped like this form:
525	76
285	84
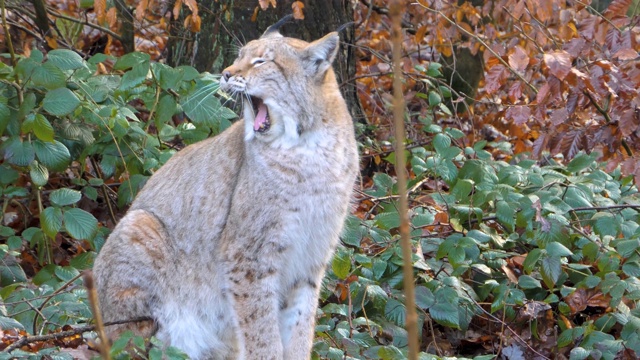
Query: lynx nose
226	75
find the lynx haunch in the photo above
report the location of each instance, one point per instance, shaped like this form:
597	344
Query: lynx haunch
226	246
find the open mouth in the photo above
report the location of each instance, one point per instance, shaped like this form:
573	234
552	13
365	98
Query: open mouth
262	121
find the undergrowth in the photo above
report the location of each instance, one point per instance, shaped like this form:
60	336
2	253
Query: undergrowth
513	255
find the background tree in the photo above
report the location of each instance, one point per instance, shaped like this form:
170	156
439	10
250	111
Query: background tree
227	25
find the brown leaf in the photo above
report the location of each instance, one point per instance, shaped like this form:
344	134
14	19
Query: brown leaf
176	9
544	10
264	4
581	298
559	63
518	59
617	8
420	33
545	225
193	6
141	9
629	121
297	7
571	143
515	91
559	116
626	54
518	114
495	78
254	16
112	18
100	8
540	144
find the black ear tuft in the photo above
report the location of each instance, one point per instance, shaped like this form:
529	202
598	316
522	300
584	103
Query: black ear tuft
275	28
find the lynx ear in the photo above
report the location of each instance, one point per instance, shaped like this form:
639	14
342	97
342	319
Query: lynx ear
319	55
274	30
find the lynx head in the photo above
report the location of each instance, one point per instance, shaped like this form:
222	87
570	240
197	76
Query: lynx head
286	84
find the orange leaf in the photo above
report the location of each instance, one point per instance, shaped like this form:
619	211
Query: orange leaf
141	9
254	17
559	63
100	8
196	21
264	4
273	3
421	33
297	7
51	40
192	5
176	8
112	18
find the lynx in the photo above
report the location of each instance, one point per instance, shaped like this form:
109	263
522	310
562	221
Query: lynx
226	245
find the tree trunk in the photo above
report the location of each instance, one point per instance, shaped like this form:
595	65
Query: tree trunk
227	25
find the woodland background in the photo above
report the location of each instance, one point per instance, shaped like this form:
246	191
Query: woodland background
522	119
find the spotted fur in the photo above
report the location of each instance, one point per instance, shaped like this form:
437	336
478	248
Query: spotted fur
226	246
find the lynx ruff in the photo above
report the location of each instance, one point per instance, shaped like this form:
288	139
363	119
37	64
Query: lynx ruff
225	247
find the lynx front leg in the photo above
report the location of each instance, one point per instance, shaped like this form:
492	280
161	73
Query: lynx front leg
251	291
297	319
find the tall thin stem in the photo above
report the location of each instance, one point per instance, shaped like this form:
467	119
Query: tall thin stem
395	12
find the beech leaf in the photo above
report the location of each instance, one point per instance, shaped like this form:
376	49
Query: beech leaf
559	63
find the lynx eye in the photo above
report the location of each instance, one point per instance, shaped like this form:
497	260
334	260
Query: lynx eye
257	62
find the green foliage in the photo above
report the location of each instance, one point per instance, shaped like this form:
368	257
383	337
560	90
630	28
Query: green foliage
574	226
70	132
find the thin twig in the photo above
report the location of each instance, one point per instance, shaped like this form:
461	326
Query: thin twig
79	330
395	13
105	350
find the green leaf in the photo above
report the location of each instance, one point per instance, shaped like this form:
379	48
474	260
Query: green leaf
581	162
80	224
83	261
201	105
441	142
341	264
19	152
66	273
395	311
51	221
130	60
528	282
434	98
605	224
578	353
42	128
551	268
49	77
65	59
166	108
38	173
8	175
631	268
557	249
135	76
388	220
445	314
64	197
54	155
424	297
60	102
505	215
8	323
